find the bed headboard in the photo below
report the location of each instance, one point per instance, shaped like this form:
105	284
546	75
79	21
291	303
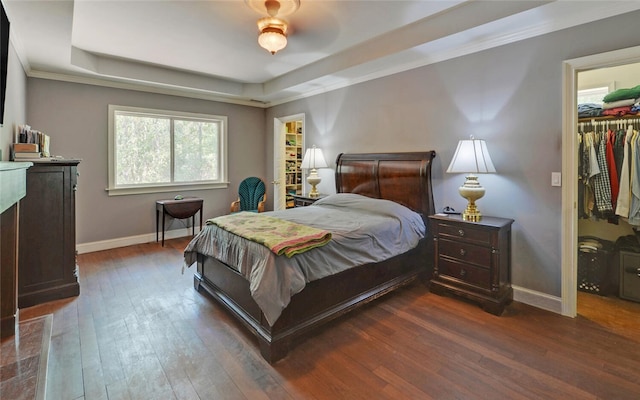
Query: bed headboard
401	177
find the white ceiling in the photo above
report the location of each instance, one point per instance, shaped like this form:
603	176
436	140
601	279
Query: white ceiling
209	49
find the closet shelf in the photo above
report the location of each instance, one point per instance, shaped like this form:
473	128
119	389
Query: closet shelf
609	118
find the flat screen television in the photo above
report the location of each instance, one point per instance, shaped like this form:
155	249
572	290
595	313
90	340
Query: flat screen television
4	58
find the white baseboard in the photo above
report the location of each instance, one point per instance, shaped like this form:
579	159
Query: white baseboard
131	240
537	299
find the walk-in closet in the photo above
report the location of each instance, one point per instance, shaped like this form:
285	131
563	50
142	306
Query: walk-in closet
608	208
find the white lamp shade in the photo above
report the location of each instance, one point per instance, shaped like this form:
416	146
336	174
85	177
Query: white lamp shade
471	156
313	159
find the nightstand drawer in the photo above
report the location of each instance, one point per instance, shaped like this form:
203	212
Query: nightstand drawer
465	232
465	252
480	277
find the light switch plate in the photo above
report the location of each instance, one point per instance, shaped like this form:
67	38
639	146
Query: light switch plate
556	179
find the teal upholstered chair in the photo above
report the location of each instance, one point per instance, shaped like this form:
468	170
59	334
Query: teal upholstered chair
251	196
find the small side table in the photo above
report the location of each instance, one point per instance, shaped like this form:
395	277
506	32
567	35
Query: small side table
187	207
302	201
473	260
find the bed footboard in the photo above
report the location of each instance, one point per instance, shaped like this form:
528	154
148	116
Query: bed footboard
320	302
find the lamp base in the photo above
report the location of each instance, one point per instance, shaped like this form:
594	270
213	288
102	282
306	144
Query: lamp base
313	179
472	191
471	213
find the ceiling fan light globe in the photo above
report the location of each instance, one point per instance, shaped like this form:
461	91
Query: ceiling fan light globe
272	40
273	34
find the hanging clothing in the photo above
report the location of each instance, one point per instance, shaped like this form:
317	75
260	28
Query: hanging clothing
581	183
601	181
634	207
589	169
609	170
611	165
618	150
624	195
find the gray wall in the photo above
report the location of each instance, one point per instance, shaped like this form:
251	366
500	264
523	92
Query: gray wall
15	104
511	96
76	118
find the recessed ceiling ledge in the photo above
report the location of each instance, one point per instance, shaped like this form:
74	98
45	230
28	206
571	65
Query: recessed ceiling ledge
151	74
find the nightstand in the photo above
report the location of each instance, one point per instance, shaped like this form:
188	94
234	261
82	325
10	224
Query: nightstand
302	201
473	260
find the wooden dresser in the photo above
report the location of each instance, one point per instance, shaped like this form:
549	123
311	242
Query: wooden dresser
47	243
473	260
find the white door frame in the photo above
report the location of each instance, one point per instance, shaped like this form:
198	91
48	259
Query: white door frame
570	69
278	123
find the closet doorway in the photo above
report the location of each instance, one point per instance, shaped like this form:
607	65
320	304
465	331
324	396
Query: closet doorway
599	272
613	70
288	147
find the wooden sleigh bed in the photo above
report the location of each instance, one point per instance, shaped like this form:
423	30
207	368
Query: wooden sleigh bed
404	178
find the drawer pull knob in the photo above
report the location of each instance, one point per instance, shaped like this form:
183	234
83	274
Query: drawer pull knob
463	273
461	232
463	252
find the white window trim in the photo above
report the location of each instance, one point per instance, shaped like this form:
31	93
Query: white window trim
223	182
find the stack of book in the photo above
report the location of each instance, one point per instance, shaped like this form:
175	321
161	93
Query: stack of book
26	151
26	135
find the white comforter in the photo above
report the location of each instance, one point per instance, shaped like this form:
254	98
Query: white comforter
364	230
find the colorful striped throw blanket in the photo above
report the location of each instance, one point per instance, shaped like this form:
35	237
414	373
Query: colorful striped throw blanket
279	235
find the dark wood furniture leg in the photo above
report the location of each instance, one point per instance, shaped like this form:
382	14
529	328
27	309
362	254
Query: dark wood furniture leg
164	217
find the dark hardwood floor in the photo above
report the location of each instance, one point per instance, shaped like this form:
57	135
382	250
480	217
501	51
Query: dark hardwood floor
139	330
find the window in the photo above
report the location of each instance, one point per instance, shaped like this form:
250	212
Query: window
159	151
593	95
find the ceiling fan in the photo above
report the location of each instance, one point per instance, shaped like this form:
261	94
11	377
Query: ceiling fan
273	29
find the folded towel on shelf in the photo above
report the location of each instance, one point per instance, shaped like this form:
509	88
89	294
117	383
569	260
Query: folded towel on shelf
586	110
622	94
618	111
619	103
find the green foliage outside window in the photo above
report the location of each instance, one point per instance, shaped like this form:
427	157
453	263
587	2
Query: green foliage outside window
196	146
143	149
155	149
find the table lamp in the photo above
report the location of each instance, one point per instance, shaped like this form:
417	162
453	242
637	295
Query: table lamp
313	159
471	157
